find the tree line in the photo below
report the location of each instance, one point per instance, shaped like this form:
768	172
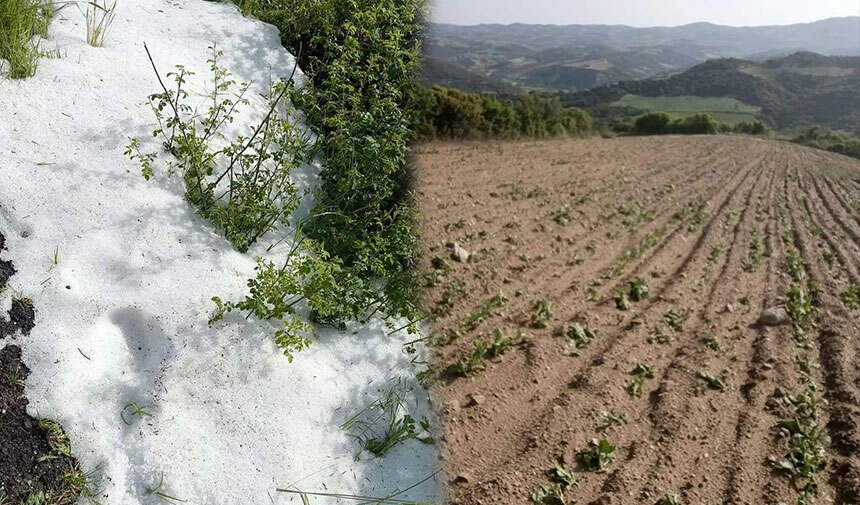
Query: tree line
452	113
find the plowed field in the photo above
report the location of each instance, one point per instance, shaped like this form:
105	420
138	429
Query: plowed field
697	396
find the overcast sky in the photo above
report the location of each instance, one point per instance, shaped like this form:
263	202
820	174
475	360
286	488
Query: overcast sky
640	12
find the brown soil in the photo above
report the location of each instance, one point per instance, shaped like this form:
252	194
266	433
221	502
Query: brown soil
28	464
706	222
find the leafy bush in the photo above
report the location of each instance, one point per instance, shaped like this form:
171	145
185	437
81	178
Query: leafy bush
361	57
20	22
697	124
754	128
659	123
451	113
653	123
830	141
244	188
455	113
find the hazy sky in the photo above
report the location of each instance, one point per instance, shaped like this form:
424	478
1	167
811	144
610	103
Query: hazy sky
640	12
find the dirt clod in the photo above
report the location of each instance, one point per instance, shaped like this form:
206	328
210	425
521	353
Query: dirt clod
476	399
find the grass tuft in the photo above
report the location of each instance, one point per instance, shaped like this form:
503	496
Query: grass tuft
384	424
99	16
21	21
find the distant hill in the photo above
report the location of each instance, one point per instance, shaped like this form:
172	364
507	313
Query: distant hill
801	89
451	75
578	57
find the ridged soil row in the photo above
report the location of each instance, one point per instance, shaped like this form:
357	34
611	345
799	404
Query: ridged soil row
837	351
606	199
546	399
768	371
681	408
574	400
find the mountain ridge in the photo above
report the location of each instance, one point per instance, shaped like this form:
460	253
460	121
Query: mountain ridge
577	57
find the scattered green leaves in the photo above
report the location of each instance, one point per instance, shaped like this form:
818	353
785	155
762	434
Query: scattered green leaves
622	302
712	381
638	290
549	494
486	309
806	456
542	314
597	456
851	297
669	499
675	320
643	370
610	418
579	336
474	362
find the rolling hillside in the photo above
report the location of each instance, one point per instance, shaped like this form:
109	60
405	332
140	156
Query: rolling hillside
799	90
579	57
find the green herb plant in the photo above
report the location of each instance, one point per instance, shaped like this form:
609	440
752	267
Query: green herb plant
542	314
384	423
579	337
597	456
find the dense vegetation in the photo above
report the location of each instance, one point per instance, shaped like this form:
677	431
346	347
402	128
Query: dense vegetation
660	123
656	123
451	113
830	141
20	22
353	256
361	58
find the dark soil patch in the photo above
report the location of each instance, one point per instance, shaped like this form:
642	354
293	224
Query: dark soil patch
32	460
22	315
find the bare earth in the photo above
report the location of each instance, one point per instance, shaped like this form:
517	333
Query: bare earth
707	223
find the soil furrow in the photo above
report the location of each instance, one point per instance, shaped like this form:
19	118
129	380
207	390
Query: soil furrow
550	401
668	404
833	348
721	264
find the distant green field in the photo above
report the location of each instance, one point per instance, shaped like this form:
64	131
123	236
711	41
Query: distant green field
773	73
724	110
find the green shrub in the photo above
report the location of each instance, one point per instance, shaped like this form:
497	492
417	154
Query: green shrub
659	123
653	123
754	128
828	140
622	127
451	113
697	124
20	22
458	113
361	57
244	188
